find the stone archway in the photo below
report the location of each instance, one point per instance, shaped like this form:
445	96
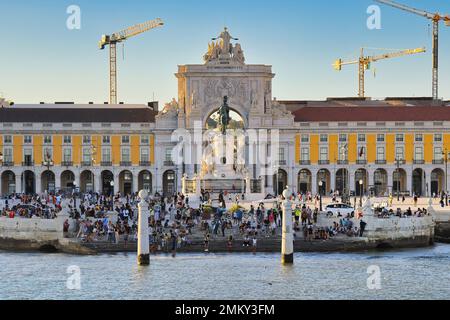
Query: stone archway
381	182
67	181
342	179
87	181
48	180
28	182
107	177
145	181
8	183
169	183
418	183
304	181
280	181
126	182
324	177
437	182
399	182
361	175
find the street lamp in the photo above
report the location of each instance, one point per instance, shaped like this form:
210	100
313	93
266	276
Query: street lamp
445	154
112	187
361	182
397	160
48	162
320	194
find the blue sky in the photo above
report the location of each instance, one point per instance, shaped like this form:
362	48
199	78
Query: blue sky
41	60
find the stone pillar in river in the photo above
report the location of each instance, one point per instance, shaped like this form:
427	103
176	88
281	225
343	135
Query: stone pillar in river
287	240
143	249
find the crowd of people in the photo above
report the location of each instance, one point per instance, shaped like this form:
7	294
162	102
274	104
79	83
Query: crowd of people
31	207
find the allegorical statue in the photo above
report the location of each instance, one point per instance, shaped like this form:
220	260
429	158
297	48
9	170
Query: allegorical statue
224	115
226	38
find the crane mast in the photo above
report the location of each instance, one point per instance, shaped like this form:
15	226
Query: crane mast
112	41
436	18
364	64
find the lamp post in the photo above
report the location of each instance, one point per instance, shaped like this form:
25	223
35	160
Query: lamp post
397	160
48	163
445	154
361	182
320	194
112	187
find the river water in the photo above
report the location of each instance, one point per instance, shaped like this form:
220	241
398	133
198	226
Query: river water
405	274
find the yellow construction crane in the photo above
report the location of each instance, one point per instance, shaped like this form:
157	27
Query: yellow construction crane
112	41
436	18
364	64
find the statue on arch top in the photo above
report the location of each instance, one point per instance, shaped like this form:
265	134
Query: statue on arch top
226	41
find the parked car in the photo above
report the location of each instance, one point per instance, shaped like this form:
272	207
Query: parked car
335	208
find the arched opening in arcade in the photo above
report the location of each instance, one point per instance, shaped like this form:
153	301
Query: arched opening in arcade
399	182
48	182
169	183
126	182
418	186
67	181
361	175
323	182
304	181
8	183
280	181
342	179
145	181
28	182
381	187
87	181
437	182
107	182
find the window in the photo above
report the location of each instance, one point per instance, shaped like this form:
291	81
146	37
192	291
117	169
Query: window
106	154
438	137
418	154
305	138
48	139
7	139
419	138
343	153
67	155
106	139
8	155
145	154
380	154
399	137
400	153
168	155
323	154
86	139
28	155
48	153
87	155
323	138
305	154
67	139
281	154
145	139
362	154
361	138
125	139
438	156
380	137
27	139
342	138
125	154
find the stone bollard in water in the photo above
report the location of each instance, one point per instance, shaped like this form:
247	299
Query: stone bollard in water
143	250
287	240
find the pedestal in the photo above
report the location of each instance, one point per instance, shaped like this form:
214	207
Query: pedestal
287	242
143	249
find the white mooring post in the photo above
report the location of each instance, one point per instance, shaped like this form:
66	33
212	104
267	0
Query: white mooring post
287	240
143	250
